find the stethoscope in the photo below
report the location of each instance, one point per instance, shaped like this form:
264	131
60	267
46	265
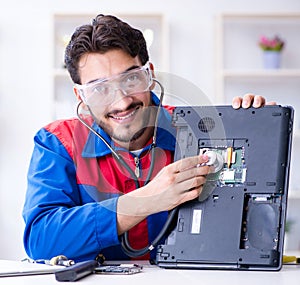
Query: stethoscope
124	237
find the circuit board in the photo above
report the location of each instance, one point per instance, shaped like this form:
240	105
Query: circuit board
234	169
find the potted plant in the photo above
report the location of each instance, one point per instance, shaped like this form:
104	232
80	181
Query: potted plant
272	48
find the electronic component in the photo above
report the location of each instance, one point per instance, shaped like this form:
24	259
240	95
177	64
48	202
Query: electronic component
216	160
233	170
118	269
261	216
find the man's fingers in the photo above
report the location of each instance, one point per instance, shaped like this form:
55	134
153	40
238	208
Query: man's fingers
271	103
249	100
236	102
191	173
192	183
258	101
188	162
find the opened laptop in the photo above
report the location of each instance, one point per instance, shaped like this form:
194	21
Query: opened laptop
239	222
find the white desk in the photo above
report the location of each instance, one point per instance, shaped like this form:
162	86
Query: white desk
153	275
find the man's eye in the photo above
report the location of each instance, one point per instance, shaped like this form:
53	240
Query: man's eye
132	78
102	89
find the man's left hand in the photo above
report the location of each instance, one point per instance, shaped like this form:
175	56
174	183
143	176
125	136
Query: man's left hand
249	100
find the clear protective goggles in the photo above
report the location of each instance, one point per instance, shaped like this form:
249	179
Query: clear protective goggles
103	91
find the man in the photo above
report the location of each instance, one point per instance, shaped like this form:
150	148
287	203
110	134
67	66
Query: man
91	179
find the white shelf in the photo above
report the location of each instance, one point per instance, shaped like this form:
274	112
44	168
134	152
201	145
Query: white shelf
239	70
239	57
239	67
262	16
272	73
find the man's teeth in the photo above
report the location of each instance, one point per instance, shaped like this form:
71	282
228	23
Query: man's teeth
125	117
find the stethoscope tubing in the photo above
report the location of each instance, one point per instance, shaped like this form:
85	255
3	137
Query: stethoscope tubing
124	237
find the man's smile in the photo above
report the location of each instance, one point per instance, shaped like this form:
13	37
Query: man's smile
124	116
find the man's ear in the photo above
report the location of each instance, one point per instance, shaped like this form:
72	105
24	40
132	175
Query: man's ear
79	99
152	69
153	74
76	92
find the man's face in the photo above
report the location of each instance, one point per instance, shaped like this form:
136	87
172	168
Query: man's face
126	117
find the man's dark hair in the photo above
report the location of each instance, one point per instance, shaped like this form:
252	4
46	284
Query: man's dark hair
104	34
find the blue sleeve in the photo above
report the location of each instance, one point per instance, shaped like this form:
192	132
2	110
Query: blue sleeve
59	219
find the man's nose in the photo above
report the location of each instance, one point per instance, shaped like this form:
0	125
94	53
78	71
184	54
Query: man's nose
121	100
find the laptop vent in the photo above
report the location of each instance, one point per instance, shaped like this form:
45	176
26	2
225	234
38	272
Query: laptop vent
206	124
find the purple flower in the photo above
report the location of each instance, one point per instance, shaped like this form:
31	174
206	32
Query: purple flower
274	44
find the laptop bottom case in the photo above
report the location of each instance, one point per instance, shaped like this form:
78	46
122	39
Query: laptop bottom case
240	223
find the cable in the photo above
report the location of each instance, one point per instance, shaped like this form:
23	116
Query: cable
114	153
162	94
140	252
130	251
124	238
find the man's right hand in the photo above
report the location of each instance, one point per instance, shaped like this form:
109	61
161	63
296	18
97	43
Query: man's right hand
175	184
178	182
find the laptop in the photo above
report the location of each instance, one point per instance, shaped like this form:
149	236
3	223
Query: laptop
239	223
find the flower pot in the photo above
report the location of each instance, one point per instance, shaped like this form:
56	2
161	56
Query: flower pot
271	59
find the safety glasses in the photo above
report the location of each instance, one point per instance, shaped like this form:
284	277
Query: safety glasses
103	91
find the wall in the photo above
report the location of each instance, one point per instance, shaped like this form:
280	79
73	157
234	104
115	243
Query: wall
25	76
